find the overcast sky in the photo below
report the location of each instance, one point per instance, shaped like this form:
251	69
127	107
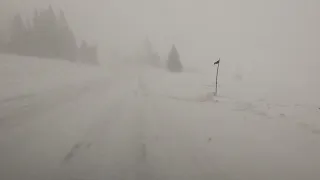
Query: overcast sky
270	34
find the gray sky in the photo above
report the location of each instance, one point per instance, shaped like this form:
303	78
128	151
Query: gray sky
265	35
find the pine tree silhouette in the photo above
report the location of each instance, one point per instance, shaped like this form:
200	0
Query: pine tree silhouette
174	64
18	32
47	36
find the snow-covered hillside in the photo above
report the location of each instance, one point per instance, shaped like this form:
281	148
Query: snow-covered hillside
24	76
242	134
60	120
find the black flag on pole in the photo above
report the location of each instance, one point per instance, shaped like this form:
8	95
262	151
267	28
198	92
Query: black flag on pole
217	62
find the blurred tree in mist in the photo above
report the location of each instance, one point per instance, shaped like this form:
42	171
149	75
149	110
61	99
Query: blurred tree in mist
173	63
67	44
151	57
48	36
88	54
148	47
18	39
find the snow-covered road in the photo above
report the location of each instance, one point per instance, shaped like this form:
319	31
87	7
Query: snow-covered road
134	126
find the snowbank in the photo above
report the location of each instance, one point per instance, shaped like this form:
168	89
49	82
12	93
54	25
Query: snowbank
261	99
23	76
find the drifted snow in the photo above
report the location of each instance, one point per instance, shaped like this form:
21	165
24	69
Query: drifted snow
60	120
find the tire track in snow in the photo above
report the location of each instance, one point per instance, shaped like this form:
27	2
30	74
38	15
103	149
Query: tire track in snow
118	140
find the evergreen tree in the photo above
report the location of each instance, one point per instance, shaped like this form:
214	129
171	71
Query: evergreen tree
2	43
28	25
47	36
66	39
94	55
174	64
17	35
34	38
88	54
18	27
71	43
52	34
29	40
148	48
51	15
82	53
62	21
35	19
151	57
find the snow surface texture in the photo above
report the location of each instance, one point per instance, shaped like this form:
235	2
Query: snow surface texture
60	120
27	75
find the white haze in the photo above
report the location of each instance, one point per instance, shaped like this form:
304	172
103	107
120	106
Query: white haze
265	126
272	33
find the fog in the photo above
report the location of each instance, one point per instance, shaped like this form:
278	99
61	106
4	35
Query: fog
275	33
127	119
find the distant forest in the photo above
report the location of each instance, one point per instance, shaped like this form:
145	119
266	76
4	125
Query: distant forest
47	36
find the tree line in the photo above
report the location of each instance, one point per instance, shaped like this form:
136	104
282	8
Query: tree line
47	36
173	63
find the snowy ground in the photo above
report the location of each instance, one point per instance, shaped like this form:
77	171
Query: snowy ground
64	121
228	138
